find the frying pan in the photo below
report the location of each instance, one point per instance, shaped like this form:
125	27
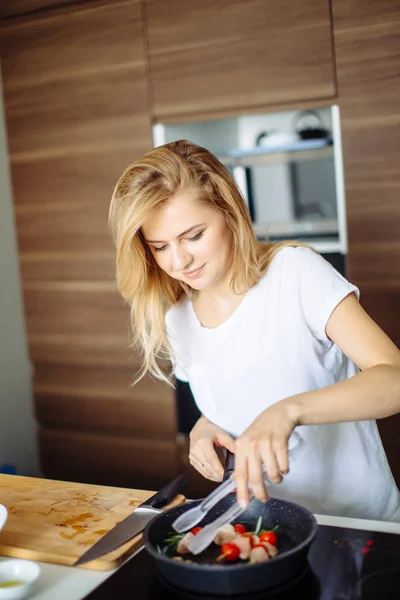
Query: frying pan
297	529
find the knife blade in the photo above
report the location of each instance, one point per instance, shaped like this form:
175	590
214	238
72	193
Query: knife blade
134	523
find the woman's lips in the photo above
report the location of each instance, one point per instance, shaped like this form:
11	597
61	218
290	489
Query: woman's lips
193	274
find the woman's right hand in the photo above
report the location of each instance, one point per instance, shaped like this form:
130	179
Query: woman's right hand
202	455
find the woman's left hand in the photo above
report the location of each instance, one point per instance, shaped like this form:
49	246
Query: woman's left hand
264	441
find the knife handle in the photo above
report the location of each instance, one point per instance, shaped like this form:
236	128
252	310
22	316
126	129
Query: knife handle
229	465
167	493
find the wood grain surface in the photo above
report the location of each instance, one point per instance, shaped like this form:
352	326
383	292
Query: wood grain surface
15	8
77	114
233	54
367	44
56	521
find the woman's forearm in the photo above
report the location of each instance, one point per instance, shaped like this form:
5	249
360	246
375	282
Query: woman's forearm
371	394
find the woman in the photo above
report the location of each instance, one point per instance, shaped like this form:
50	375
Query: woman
269	338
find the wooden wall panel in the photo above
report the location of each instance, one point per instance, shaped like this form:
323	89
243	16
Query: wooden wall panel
66	266
383	302
102	350
83	38
77	114
54	170
376	266
79	227
367	44
12	8
102	400
74	308
233	54
108	459
78	122
106	413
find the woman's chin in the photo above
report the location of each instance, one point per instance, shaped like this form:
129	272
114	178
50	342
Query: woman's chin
200	284
197	285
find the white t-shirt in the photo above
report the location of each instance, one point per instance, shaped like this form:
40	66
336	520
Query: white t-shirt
274	346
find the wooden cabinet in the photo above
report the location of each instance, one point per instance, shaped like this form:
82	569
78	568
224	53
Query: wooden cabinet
77	114
367	58
221	55
13	8
79	109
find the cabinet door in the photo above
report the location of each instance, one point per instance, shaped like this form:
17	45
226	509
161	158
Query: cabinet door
77	115
12	8
217	55
368	58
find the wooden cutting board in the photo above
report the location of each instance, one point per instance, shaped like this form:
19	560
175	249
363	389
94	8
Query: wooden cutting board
57	521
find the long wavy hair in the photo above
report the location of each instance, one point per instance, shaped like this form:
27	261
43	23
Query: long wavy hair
149	291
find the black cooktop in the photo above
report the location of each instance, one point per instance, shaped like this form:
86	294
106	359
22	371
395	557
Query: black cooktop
344	564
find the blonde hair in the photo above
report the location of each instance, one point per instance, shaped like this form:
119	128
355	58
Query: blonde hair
149	291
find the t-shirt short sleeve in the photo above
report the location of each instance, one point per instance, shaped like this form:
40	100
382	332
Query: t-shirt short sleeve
320	287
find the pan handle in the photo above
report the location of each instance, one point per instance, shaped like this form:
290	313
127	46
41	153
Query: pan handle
229	465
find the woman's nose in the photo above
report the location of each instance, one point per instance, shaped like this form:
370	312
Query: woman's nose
180	259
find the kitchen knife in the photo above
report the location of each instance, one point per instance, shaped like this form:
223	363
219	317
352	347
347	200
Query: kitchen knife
134	523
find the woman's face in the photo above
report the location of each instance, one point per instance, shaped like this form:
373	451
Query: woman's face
190	241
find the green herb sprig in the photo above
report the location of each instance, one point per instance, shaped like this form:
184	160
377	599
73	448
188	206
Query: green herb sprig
259	529
173	539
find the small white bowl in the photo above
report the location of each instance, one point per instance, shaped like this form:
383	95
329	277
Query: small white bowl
3	516
25	571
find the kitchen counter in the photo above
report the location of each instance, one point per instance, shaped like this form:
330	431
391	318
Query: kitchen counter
68	583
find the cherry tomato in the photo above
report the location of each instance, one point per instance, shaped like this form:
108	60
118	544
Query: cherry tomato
196	530
270	537
240	529
250	537
230	551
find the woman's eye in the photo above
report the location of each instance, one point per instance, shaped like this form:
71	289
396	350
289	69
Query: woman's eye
160	249
196	237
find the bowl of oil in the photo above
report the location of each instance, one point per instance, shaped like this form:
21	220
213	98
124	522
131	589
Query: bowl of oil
17	578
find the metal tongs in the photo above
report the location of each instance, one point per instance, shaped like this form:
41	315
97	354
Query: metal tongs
191	517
